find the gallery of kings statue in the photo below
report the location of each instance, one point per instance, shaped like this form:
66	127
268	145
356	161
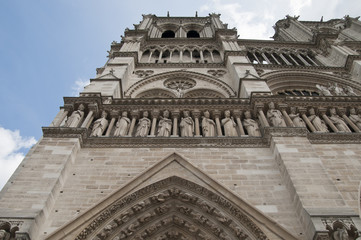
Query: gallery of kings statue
190	132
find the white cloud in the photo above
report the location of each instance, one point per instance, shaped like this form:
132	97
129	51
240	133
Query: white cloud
249	24
10	157
79	85
297	5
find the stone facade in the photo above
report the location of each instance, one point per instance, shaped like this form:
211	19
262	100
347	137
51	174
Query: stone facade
188	132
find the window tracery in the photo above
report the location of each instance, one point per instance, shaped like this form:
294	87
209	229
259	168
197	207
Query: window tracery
176	54
290	57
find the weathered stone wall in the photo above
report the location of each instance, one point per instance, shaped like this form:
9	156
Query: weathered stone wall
289	181
95	173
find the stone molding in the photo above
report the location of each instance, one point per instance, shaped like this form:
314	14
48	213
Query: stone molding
173	198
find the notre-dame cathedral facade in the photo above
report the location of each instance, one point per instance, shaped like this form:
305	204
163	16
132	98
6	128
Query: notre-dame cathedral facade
191	132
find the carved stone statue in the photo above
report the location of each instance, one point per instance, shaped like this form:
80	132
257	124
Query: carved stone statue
355	118
338	121
75	117
186	125
295	117
143	126
275	116
208	126
4	235
349	91
336	89
229	125
323	90
316	121
251	125
164	125
340	234
100	125
122	126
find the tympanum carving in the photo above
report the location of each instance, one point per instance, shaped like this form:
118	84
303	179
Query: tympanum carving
174	204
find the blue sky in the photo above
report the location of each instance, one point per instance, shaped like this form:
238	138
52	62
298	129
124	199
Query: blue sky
50	48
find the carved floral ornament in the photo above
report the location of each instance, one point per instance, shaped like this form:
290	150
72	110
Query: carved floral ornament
173	208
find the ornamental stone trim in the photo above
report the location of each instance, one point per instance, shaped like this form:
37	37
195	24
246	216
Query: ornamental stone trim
208	210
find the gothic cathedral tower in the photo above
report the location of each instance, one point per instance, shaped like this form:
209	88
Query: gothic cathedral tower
190	132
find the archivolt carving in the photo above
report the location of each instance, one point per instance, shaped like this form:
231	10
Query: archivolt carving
285	80
212	82
156	93
172	208
203	93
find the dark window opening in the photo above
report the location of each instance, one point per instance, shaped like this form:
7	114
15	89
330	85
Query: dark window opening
192	34
168	34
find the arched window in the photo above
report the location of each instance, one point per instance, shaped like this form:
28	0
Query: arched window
192	34
168	34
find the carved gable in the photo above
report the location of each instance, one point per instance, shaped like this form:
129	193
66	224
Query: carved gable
172	200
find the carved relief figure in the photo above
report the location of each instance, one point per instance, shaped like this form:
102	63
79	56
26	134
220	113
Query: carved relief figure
336	89
76	117
208	125
355	118
143	126
340	234
295	117
186	125
122	126
275	116
100	125
349	91
164	125
323	90
338	121
251	125
229	125
316	121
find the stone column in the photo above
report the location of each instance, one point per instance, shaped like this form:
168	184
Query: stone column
196	114
180	55
311	60
114	116
342	112
303	60
285	115
327	120
284	59
275	59
155	115
160	56
175	116
237	114
212	56
135	115
217	114
93	108
266	58
305	118
201	53
59	118
150	56
262	117
255	56
294	60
